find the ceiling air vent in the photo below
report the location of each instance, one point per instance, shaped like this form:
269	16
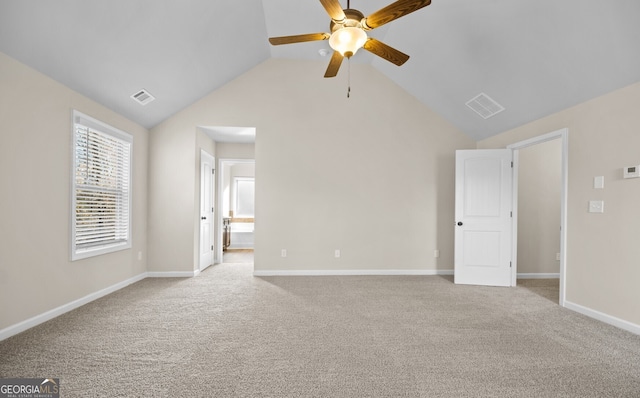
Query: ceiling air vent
143	97
484	106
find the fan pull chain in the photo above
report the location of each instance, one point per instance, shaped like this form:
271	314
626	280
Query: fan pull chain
348	77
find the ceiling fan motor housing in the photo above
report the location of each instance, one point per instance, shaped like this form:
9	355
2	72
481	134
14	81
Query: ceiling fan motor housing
353	19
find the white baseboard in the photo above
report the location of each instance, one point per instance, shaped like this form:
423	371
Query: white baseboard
173	274
602	317
38	319
352	272
538	275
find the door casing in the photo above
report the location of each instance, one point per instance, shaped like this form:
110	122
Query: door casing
562	134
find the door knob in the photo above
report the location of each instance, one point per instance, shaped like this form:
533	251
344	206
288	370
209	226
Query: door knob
203	218
459	223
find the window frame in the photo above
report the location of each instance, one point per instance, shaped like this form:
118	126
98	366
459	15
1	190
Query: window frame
236	213
81	252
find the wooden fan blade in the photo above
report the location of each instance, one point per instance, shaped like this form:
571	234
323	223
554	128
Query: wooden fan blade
298	38
384	51
334	64
393	11
334	9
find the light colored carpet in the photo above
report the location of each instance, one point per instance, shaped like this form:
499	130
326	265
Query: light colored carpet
547	288
226	333
237	256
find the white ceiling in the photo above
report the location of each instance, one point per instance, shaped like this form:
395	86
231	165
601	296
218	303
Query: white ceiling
231	134
533	57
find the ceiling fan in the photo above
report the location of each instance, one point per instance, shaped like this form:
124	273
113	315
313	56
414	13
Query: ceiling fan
348	32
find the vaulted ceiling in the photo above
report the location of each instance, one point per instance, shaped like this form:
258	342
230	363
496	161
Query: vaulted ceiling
533	57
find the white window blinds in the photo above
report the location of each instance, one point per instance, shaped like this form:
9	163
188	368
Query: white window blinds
245	192
101	188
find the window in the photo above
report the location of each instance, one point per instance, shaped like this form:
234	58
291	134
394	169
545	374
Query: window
101	188
244	197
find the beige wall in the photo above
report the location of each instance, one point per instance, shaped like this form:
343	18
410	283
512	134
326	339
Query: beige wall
227	150
539	182
371	175
36	274
172	202
602	249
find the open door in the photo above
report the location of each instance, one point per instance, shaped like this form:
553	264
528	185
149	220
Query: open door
483	232
206	209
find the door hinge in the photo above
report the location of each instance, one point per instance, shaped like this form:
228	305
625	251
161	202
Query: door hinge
510	264
211	247
512	164
213	171
212	209
511	214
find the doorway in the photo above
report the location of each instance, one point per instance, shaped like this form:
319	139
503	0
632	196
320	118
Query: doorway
534	255
236	203
484	182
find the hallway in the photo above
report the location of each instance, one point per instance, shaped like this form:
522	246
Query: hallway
238	256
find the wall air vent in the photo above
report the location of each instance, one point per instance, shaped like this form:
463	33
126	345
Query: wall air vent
484	106
143	97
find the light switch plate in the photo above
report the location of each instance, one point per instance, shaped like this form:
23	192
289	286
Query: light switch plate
598	182
596	206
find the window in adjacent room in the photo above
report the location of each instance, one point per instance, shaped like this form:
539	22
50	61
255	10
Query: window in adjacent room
101	188
244	197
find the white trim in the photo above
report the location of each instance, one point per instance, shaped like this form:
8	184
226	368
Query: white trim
515	158
562	134
602	317
353	272
539	139
538	275
76	253
197	272
46	316
173	274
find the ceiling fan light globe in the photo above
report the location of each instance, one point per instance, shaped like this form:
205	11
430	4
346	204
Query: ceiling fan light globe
347	40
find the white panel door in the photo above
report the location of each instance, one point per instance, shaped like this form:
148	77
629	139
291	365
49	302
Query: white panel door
483	231
206	210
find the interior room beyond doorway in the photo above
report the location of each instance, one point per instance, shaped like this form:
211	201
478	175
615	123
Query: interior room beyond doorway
238	210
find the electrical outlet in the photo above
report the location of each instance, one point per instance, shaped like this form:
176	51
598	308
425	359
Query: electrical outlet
283	253
557	256
436	253
596	206
336	253
139	255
